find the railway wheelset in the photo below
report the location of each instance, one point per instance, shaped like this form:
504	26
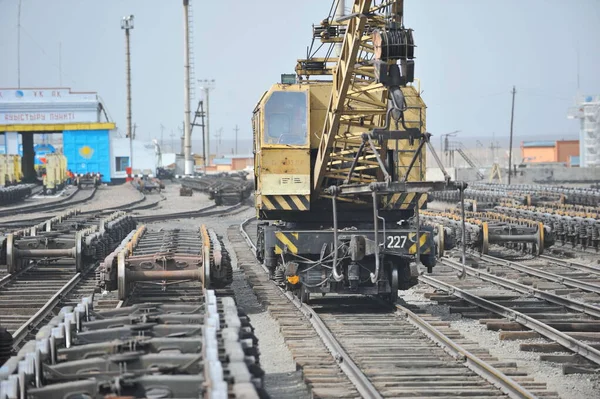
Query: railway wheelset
73	237
165	258
482	230
573	228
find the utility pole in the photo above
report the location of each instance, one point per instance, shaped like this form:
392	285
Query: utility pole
162	129
59	64
127	24
189	162
236	138
444	149
19	46
218	136
207	85
512	117
200	114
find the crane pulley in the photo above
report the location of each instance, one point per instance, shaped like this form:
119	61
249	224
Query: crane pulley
370	78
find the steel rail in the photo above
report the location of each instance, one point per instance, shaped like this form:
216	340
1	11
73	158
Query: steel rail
567	281
39	316
53	206
541	328
480	367
577	265
11	276
18	209
526	290
568	247
485	370
130	206
362	383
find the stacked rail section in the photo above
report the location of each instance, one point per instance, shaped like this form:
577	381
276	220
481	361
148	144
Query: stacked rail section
146	350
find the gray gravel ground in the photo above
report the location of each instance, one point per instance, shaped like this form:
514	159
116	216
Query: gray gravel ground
574	386
174	202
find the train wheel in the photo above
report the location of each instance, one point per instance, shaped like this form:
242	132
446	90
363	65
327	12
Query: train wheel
123	289
11	259
394	284
304	295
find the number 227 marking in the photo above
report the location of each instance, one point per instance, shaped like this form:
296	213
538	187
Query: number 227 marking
395	241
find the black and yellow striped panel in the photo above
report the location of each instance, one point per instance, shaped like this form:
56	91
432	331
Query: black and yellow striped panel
404	201
423	243
288	240
285	202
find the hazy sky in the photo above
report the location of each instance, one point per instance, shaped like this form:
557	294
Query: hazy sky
470	53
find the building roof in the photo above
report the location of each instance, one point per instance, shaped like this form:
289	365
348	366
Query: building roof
543	143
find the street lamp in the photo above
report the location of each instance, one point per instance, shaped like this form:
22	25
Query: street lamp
207	85
127	24
444	149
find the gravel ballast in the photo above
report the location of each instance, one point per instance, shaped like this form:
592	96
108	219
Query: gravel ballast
573	386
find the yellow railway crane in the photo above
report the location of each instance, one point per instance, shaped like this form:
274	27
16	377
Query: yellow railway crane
340	161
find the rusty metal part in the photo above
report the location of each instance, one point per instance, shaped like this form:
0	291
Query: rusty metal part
483	229
223	188
574	228
165	258
565	195
73	236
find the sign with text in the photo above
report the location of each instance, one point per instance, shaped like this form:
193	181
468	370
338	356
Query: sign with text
47	106
44	95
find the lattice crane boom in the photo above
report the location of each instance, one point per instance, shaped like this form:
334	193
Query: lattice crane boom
372	70
342	78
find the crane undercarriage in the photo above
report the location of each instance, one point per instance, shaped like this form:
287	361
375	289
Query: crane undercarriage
367	262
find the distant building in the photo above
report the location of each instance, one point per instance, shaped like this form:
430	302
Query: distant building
229	163
588	112
548	151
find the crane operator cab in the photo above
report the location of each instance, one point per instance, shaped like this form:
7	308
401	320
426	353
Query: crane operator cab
282	124
285	118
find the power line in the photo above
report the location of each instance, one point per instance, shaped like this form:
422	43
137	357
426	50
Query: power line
46	54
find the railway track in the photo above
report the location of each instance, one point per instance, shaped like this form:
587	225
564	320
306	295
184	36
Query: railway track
356	346
203	348
55	286
217	353
525	302
131	206
77	196
210	210
43	267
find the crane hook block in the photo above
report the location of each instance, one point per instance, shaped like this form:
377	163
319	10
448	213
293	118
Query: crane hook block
394	75
393	44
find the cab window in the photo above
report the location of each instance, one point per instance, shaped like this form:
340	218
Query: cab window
286	118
